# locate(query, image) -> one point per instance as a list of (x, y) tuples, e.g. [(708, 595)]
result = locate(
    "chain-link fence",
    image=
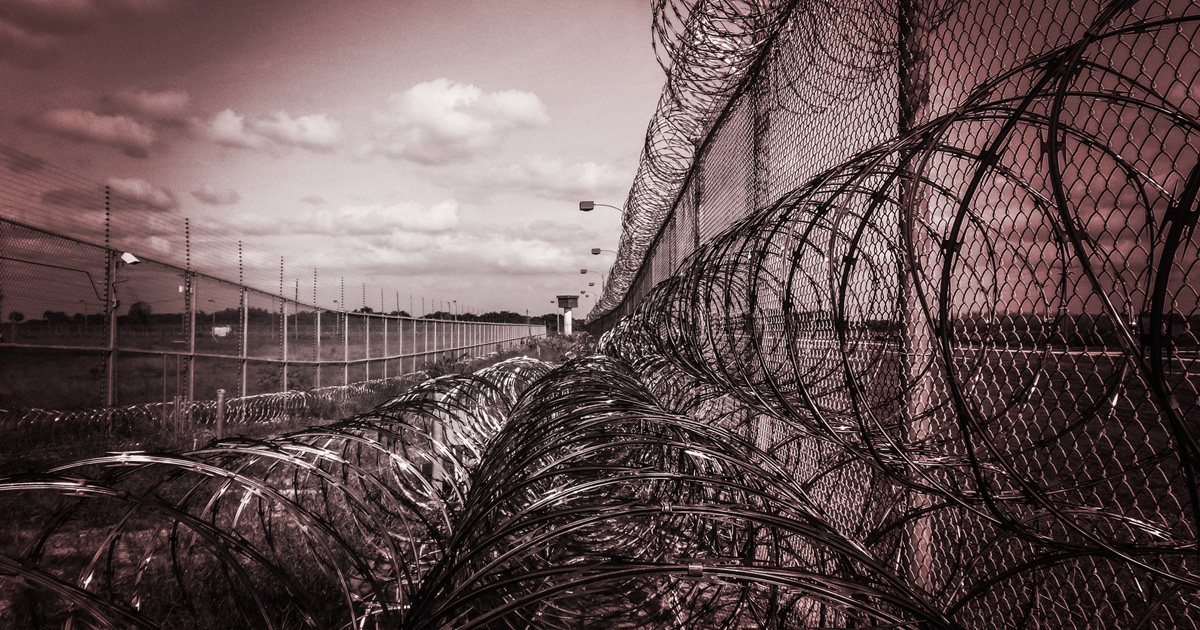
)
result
[(84, 323), (943, 256)]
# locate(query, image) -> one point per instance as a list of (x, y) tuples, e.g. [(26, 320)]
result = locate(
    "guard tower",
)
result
[(566, 303)]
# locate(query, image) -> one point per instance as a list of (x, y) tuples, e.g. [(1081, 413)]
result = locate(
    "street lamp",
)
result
[(596, 251), (585, 271), (588, 206)]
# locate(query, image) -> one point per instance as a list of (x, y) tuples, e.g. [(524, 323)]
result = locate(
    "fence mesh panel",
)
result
[(943, 259)]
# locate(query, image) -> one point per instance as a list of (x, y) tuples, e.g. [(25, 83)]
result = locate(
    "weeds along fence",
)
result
[(84, 326)]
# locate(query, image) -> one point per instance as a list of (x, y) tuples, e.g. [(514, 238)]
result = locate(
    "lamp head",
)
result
[(595, 251), (587, 206), (583, 271)]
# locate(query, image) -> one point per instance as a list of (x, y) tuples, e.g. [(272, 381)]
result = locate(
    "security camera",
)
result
[(129, 259)]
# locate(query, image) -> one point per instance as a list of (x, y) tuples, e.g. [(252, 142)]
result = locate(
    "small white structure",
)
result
[(566, 303)]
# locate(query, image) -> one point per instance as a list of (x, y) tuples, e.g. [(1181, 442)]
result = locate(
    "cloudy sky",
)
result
[(435, 148)]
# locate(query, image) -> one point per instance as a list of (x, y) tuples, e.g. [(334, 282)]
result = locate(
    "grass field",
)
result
[(31, 446)]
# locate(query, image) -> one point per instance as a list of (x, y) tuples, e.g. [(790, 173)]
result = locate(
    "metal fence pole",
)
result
[(283, 384), (317, 349), (190, 279), (110, 369), (912, 97), (220, 413), (245, 341), (345, 317)]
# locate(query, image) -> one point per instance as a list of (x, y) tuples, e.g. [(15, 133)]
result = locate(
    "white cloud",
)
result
[(228, 128), (164, 105), (375, 220), (121, 132), (442, 121), (454, 254), (552, 179), (214, 196), (316, 132), (570, 233), (144, 192)]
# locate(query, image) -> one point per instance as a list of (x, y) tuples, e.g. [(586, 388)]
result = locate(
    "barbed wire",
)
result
[(33, 425), (326, 527), (919, 312), (707, 48), (947, 383)]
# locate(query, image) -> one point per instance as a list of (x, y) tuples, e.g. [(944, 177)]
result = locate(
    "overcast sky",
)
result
[(432, 147)]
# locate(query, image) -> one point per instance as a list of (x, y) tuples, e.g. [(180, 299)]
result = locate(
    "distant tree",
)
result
[(139, 313), (254, 314), (400, 314), (14, 318), (365, 309), (549, 320)]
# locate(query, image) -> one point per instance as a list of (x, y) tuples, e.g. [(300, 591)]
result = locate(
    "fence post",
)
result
[(220, 413), (345, 347), (164, 388), (367, 344), (283, 385), (917, 348), (177, 413), (317, 349), (110, 369), (245, 341), (190, 284)]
